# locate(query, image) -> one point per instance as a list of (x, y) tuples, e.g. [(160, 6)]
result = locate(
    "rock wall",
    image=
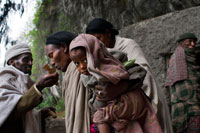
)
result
[(75, 14), (157, 37)]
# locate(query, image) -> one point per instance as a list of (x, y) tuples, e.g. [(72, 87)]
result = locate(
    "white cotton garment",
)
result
[(13, 85)]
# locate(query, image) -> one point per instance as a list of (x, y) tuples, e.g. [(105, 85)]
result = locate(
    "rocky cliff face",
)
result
[(157, 37), (122, 12), (75, 14)]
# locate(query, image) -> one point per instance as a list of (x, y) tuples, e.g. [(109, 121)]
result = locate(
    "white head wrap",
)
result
[(16, 50)]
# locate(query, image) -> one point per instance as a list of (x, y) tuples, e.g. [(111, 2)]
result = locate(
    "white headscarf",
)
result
[(16, 50)]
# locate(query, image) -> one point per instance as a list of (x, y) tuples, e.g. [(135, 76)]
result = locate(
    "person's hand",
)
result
[(48, 111), (110, 91), (47, 81)]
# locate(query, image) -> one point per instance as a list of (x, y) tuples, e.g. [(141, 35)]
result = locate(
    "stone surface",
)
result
[(75, 14), (122, 12), (157, 37)]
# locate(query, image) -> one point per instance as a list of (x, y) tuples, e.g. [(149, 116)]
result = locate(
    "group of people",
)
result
[(108, 85)]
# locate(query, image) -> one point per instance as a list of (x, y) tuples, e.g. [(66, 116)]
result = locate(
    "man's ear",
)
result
[(66, 50), (64, 47)]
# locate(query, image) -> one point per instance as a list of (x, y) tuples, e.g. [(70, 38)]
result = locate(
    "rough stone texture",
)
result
[(121, 12), (157, 37)]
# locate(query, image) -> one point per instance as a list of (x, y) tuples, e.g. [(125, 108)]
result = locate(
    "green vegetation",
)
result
[(48, 19), (37, 37), (51, 101)]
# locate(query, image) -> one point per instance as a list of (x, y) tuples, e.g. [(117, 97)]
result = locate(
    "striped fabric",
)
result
[(177, 70)]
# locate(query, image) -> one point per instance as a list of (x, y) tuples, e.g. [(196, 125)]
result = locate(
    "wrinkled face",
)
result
[(23, 62), (59, 56), (106, 38), (78, 56), (188, 43)]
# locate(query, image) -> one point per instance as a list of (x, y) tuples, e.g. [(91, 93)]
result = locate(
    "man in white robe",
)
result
[(19, 94)]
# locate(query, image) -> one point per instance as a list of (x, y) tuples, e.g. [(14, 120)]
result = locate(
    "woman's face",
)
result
[(59, 56)]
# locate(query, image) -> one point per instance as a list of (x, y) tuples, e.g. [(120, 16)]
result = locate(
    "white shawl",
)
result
[(13, 85), (77, 117)]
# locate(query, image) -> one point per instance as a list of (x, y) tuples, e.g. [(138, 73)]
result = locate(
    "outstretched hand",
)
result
[(47, 81)]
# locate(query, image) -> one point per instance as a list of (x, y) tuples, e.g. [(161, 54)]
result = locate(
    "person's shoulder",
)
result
[(126, 41), (7, 72)]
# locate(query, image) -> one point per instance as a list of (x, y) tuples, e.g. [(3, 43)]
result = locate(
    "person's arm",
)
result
[(28, 101), (33, 96), (135, 81)]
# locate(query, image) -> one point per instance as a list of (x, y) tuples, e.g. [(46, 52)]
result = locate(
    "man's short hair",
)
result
[(99, 25), (61, 37)]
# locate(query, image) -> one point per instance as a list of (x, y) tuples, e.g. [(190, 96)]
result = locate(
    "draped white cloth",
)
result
[(13, 85), (77, 117)]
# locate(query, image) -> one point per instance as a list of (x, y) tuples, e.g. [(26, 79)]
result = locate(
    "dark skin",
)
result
[(58, 55), (24, 61), (188, 43), (107, 38), (79, 58)]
